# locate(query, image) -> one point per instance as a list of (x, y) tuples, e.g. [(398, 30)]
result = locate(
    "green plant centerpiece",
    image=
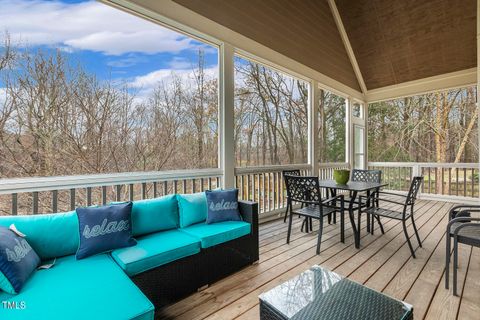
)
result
[(341, 176)]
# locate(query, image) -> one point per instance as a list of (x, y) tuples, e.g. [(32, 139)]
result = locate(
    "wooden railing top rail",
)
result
[(424, 164), (34, 184), (272, 168)]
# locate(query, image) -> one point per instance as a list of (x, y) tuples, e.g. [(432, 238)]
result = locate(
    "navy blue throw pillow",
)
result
[(104, 229), (222, 206), (17, 261)]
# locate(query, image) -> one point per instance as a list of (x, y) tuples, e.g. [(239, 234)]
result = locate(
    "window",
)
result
[(110, 93), (271, 113), (434, 127), (359, 147), (331, 127), (357, 110)]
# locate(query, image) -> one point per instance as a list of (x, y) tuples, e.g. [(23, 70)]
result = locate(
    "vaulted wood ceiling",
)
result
[(394, 41), (303, 30)]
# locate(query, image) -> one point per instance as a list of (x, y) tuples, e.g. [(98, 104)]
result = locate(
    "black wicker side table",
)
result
[(319, 294)]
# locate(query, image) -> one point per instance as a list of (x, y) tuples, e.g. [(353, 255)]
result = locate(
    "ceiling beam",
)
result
[(346, 43), (450, 80)]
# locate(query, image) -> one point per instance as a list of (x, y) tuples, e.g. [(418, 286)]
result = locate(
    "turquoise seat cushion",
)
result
[(91, 288), (153, 215), (154, 250), (192, 208), (50, 235), (216, 233)]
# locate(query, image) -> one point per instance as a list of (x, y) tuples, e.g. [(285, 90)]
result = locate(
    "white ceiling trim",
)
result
[(445, 81), (346, 43)]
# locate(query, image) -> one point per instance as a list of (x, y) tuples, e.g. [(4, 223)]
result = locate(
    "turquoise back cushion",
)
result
[(50, 235), (153, 215), (192, 208)]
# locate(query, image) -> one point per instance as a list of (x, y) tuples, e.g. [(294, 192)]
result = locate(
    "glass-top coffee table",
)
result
[(319, 294)]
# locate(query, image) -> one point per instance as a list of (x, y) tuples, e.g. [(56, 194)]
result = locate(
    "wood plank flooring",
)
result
[(383, 263)]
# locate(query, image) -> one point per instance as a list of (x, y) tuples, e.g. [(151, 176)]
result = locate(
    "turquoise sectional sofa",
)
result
[(168, 263)]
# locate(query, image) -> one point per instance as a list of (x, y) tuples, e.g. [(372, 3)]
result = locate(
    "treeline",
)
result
[(57, 119), (434, 127)]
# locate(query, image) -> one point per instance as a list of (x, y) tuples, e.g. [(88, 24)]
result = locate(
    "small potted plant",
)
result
[(341, 176)]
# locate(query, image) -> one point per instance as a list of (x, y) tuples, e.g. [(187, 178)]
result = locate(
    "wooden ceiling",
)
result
[(395, 41), (303, 30)]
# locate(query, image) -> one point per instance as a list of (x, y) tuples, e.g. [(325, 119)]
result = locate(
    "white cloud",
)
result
[(145, 84), (87, 26)]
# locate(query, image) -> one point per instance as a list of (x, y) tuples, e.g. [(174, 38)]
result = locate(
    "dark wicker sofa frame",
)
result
[(173, 281)]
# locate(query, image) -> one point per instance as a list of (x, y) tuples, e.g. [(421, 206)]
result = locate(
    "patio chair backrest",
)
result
[(303, 189), (414, 188), (292, 172), (367, 175)]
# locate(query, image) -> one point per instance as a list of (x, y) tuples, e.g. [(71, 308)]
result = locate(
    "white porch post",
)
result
[(314, 95), (478, 74), (227, 116), (349, 133)]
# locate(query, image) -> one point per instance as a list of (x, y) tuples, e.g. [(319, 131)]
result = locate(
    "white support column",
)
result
[(227, 116), (478, 74), (349, 133), (313, 101)]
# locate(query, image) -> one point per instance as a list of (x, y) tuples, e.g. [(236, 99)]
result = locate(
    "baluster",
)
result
[(165, 188), (89, 196), (248, 187), (280, 177), (194, 189), (130, 192), (464, 182), (254, 186), (35, 202), (274, 190), (268, 191), (449, 181), (202, 184), (155, 189), (210, 183), (144, 190), (14, 204), (242, 185), (263, 192), (218, 182), (72, 199), (54, 201), (175, 185), (118, 193), (429, 180), (473, 182), (456, 181), (184, 186), (104, 195)]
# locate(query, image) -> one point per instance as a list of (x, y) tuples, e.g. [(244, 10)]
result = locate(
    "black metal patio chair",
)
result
[(306, 190), (368, 176), (403, 216), (463, 228), (293, 172)]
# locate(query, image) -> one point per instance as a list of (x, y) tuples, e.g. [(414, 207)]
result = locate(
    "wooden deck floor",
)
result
[(383, 263)]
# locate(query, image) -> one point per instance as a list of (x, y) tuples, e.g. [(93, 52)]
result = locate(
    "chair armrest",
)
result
[(340, 197), (463, 207), (380, 199), (248, 211), (391, 194), (460, 219)]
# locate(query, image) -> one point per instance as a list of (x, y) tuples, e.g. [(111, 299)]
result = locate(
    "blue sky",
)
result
[(106, 41)]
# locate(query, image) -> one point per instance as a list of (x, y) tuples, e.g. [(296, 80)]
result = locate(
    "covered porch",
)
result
[(357, 64)]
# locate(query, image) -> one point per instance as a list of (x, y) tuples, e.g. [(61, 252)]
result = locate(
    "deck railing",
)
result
[(265, 184), (448, 180), (57, 194)]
